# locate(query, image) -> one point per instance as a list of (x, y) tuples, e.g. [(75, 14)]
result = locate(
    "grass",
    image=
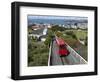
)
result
[(81, 34)]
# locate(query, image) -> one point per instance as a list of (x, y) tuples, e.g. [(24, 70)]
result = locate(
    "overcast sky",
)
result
[(56, 17)]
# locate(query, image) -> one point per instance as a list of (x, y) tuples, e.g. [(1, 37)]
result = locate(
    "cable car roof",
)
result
[(60, 41)]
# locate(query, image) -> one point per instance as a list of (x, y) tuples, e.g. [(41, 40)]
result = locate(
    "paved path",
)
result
[(55, 58)]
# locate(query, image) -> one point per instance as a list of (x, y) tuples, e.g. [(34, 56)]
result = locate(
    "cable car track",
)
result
[(64, 61), (58, 58)]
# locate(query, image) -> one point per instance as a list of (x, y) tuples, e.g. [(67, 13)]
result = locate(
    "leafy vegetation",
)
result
[(57, 28), (86, 41), (69, 38), (29, 30), (37, 53), (49, 37)]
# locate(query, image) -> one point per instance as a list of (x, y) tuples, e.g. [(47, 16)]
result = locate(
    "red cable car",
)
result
[(62, 47)]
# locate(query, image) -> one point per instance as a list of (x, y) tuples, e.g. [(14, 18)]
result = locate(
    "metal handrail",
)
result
[(75, 53), (50, 50)]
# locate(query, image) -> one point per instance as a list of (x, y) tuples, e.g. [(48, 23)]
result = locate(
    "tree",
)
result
[(30, 30), (71, 33), (48, 40), (49, 37), (58, 34), (57, 28), (86, 41)]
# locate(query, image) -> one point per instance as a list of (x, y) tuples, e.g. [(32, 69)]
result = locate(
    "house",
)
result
[(45, 31), (39, 33), (42, 38)]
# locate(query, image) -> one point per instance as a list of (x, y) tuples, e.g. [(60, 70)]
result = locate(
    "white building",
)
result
[(39, 33)]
